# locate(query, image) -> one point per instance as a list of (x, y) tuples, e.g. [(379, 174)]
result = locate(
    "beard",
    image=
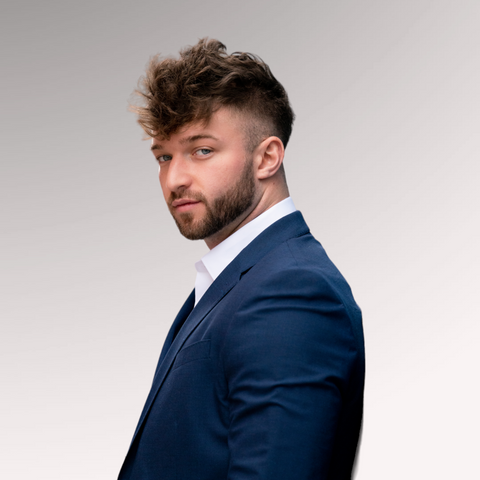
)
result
[(222, 211)]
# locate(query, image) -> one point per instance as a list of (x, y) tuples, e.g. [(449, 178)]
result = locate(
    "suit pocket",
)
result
[(196, 351)]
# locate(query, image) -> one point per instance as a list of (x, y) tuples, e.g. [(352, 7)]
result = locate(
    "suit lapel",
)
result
[(177, 325), (287, 227)]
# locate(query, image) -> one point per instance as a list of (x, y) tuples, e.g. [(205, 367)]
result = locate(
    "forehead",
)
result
[(224, 125)]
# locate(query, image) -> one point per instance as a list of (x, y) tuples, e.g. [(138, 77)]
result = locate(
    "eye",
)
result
[(203, 152), (163, 158)]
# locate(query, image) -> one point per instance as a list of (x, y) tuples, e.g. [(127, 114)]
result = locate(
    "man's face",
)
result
[(207, 177)]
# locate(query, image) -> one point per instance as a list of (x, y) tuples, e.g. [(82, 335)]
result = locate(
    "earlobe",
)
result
[(270, 155)]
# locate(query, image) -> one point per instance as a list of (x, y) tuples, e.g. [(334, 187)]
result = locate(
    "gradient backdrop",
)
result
[(383, 163)]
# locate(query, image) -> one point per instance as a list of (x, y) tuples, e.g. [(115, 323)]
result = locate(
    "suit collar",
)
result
[(222, 255), (290, 226)]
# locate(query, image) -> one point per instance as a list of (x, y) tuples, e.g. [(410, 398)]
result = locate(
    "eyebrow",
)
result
[(191, 139), (194, 138)]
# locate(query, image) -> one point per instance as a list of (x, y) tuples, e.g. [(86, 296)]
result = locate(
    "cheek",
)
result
[(215, 186), (222, 178)]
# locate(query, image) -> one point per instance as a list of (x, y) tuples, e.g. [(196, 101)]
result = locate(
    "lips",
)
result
[(183, 201), (183, 205)]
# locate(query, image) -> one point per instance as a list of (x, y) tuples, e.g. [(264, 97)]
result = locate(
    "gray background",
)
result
[(383, 163)]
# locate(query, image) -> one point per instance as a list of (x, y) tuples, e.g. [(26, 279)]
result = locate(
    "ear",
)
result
[(269, 157)]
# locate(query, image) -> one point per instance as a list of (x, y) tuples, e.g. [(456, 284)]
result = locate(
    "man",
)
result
[(261, 375)]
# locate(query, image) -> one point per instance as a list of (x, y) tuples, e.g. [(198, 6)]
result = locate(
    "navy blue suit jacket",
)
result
[(263, 379)]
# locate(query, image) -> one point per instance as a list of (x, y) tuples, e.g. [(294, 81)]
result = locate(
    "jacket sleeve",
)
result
[(288, 361)]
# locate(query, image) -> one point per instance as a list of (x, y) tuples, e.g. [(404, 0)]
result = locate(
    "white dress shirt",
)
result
[(214, 262)]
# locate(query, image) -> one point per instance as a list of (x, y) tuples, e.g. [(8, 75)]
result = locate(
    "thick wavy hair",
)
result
[(177, 92)]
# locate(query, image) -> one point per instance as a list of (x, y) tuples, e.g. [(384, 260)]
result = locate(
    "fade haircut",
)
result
[(190, 89)]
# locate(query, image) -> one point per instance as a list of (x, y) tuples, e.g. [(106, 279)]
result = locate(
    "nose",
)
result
[(176, 176)]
